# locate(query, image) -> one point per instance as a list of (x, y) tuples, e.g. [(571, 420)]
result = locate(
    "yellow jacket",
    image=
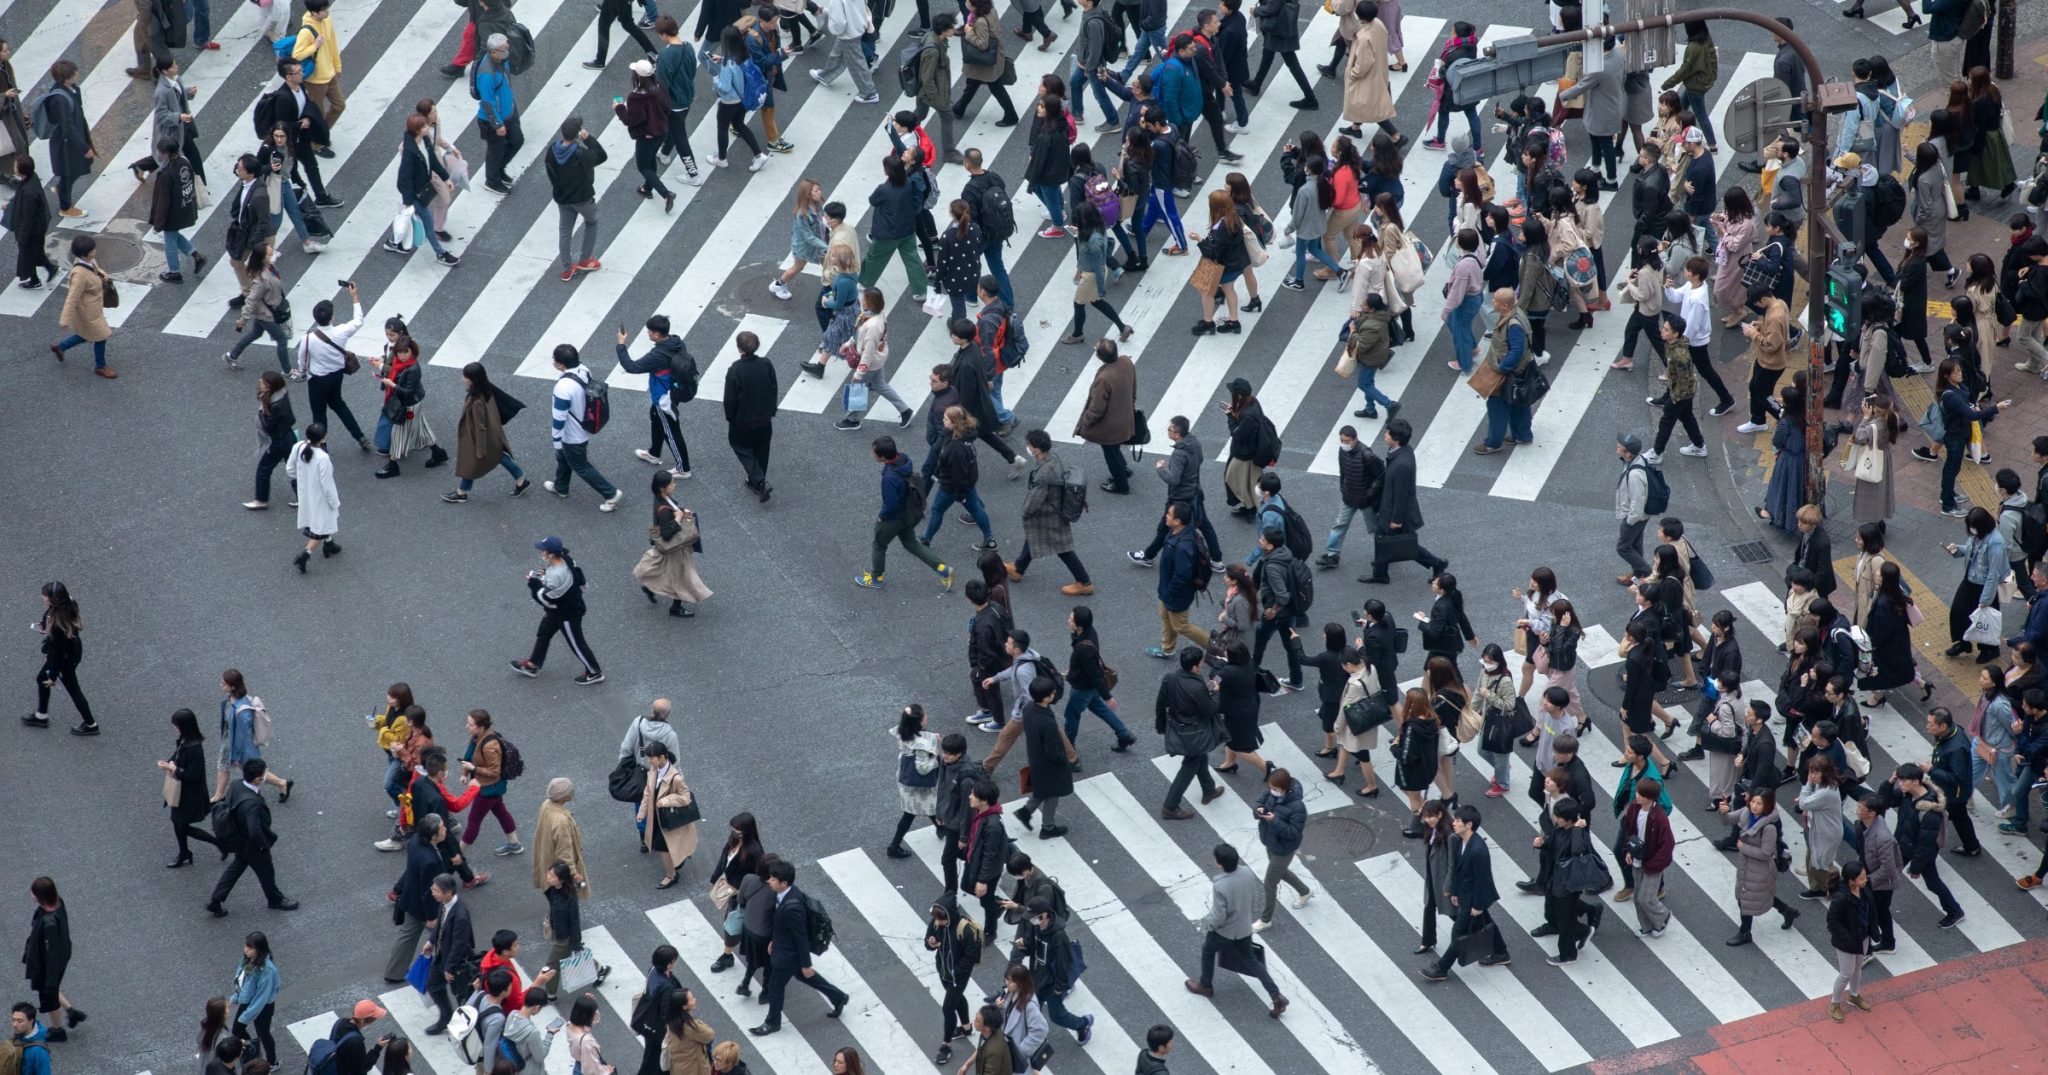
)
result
[(321, 43), (392, 730)]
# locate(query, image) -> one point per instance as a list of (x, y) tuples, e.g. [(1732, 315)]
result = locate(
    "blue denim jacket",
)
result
[(1984, 563), (238, 727), (255, 989)]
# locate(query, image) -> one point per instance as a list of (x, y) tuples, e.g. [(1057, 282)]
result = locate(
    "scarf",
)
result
[(974, 826), (398, 366)]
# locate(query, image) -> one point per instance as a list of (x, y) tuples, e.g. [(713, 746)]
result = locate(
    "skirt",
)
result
[(1993, 166), (1085, 289), (837, 331), (410, 436)]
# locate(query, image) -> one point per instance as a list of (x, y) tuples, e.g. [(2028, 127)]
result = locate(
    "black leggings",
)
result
[(1646, 326), (645, 152), (1777, 905), (903, 825), (995, 90), (1293, 63), (1081, 315), (953, 1008), (604, 33), (732, 119), (1537, 335), (69, 677), (188, 830), (261, 1028)]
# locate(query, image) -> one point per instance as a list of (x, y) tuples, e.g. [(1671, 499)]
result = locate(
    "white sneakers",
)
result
[(612, 502), (646, 456), (779, 290), (758, 163), (1697, 451), (1751, 427), (1261, 925)]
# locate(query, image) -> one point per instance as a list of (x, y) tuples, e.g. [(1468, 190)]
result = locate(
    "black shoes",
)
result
[(388, 470), (184, 859), (435, 456), (285, 905), (722, 963), (86, 727), (217, 911)]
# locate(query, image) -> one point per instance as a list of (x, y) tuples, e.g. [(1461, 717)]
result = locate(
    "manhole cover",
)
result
[(116, 253), (1346, 839), (1753, 552)]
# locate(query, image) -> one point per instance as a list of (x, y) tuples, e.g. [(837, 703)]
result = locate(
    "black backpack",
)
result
[(1302, 580), (510, 765), (1112, 38), (1073, 492), (227, 825), (908, 61), (820, 937), (915, 503), (1887, 202), (1269, 443), (1205, 570), (682, 379), (1187, 162), (998, 220), (1296, 528)]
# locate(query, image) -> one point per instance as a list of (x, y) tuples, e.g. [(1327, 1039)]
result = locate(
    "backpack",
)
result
[(1657, 498), (1302, 580), (909, 65), (259, 721), (682, 379), (915, 502), (1269, 443), (1102, 195), (324, 1057), (519, 40), (510, 765), (39, 116), (1887, 202), (1895, 364), (1010, 342), (597, 408), (1187, 162), (1073, 492), (821, 925), (2034, 529), (992, 209), (466, 1030), (1934, 423), (1556, 139), (1296, 528), (753, 86), (283, 47), (1205, 570), (1112, 38)]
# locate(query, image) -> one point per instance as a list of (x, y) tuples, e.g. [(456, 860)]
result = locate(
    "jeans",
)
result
[(1951, 465), (380, 439), (942, 499), (1698, 103), (566, 228), (1307, 246), (2023, 795), (1276, 872), (1053, 197), (323, 391), (1464, 343), (1055, 1006), (1443, 124), (289, 208), (1503, 417), (1373, 396), (175, 244), (1342, 526), (1079, 699), (201, 14), (505, 460), (995, 397), (992, 260), (1193, 767), (258, 327), (1147, 41), (1502, 765), (575, 458), (1078, 80), (1264, 633), (1936, 887), (500, 150), (99, 348)]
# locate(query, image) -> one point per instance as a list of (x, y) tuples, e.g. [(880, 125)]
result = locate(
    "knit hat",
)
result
[(560, 790)]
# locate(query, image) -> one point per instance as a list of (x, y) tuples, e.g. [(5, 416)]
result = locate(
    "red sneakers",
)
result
[(589, 265)]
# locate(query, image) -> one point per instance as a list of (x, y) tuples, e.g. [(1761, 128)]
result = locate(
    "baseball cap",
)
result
[(551, 544), (1693, 136), (642, 68), (1849, 162), (1630, 443), (1039, 905), (368, 1009)]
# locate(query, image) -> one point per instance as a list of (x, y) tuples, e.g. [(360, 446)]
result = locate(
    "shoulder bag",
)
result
[(349, 362)]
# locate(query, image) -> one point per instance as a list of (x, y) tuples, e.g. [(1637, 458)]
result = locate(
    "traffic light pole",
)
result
[(1817, 256)]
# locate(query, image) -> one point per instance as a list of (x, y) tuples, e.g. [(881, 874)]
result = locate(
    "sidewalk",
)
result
[(1988, 1012)]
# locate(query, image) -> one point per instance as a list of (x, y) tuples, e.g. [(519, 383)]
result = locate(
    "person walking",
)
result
[(1045, 516), (676, 67), (292, 105), (848, 22), (255, 996), (571, 162), (917, 772), (645, 112), (1180, 569), (62, 649), (789, 952), (452, 948), (620, 12), (1472, 896), (653, 726), (185, 787), (672, 380), (558, 589), (238, 736), (481, 445), (28, 218), (1850, 929), (85, 306), (956, 475), (762, 36), (319, 41), (497, 110), (276, 433), (728, 81), (413, 909), (61, 111), (1759, 845), (572, 429), (751, 397), (249, 840), (489, 763), (668, 568), (1090, 681), (1228, 931), (46, 956), (1984, 569), (1109, 418), (263, 309), (1646, 844), (1400, 517), (324, 360), (669, 812), (420, 168), (401, 422), (955, 941), (311, 472), (1185, 712), (1046, 747), (1281, 817), (1181, 470), (897, 520), (173, 207), (739, 862)]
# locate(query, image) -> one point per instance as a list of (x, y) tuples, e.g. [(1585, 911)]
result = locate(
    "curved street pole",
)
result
[(1817, 255)]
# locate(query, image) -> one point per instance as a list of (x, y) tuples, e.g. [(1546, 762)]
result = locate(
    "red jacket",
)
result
[(493, 960), (1657, 840)]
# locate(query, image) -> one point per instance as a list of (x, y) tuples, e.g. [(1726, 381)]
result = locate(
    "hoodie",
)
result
[(531, 1041), (895, 487), (1460, 158), (572, 169), (666, 356), (957, 947)]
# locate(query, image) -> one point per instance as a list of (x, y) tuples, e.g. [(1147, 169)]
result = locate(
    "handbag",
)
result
[(1585, 872), (1024, 780), (1986, 627), (1486, 379), (675, 817), (1268, 682), (1913, 614), (109, 298), (854, 396), (1207, 276), (1522, 641), (1404, 264), (1367, 713), (401, 229), (172, 790), (1477, 944), (1253, 249), (417, 975), (1948, 198), (723, 895), (578, 971), (1141, 430)]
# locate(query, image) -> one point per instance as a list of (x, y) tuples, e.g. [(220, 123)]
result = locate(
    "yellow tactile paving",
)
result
[(1930, 639)]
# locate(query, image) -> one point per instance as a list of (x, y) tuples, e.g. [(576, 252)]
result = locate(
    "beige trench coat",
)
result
[(85, 310), (557, 838), (1367, 98), (668, 790), (668, 569)]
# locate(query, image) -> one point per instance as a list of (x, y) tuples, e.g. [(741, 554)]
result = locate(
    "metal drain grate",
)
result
[(1345, 839), (1753, 552)]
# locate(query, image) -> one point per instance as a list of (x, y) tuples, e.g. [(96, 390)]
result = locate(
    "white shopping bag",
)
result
[(579, 971), (1986, 627), (458, 170), (401, 229)]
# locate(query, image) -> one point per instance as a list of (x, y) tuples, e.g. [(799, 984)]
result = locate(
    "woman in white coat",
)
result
[(312, 474)]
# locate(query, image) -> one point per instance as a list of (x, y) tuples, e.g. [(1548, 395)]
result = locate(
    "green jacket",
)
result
[(1697, 69), (935, 75), (1678, 365)]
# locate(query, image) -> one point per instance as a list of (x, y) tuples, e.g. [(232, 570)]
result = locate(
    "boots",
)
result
[(435, 456), (388, 470), (1413, 830)]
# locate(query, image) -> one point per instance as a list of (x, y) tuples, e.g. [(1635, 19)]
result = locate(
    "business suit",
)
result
[(1400, 513), (789, 955), (1472, 891), (251, 851), (454, 960), (415, 906), (248, 206)]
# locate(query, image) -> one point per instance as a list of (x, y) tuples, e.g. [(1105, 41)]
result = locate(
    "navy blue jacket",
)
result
[(2036, 629), (1177, 570), (1952, 764), (895, 486), (1282, 835), (790, 935), (1472, 877)]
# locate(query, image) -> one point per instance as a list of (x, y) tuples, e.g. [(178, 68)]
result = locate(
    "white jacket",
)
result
[(319, 501), (847, 20)]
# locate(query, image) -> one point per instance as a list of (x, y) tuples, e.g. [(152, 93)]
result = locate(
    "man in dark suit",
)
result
[(789, 951), (251, 841), (1400, 512), (1579, 787), (751, 397), (292, 106), (1472, 896), (453, 948), (248, 209), (415, 906)]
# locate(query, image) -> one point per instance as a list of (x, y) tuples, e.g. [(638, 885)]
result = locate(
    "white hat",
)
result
[(643, 68)]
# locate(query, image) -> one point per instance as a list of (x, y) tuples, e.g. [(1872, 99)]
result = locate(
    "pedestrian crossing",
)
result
[(706, 264), (1138, 888)]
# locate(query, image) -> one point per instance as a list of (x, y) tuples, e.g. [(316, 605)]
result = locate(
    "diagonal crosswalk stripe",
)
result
[(683, 924)]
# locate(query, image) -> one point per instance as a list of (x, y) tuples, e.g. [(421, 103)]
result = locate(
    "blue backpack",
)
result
[(324, 1058), (283, 47), (754, 88), (1077, 962)]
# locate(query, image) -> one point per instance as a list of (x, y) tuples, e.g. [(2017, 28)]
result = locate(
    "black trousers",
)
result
[(187, 830), (750, 444), (949, 859), (1203, 528), (995, 90), (323, 390), (1192, 767), (570, 626), (29, 256), (1959, 814), (778, 988), (258, 1027), (69, 677), (664, 430), (1678, 412), (1464, 922), (1761, 382), (625, 20), (1248, 963), (1070, 558), (1212, 111), (1640, 325), (1293, 63), (953, 1007), (500, 150), (1881, 918), (1119, 467), (267, 463), (309, 162), (1703, 364), (255, 861)]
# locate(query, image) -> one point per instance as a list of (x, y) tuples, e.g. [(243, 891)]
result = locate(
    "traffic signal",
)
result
[(1845, 296), (1516, 64)]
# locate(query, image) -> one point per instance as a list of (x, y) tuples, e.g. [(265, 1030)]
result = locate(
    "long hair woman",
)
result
[(739, 859), (1225, 246), (480, 442), (808, 234), (319, 501), (255, 995), (185, 788), (1093, 248), (955, 477), (60, 625), (668, 568), (275, 431)]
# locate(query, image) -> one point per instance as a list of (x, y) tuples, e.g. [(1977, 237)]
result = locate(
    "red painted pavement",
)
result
[(1984, 1014)]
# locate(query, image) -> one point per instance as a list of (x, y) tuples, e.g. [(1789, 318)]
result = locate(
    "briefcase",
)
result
[(1396, 547), (1477, 945)]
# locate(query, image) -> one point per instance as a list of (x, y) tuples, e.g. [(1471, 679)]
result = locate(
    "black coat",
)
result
[(1045, 750), (188, 763), (417, 169), (1415, 753), (956, 471), (1472, 877), (1639, 681), (454, 943), (1848, 922), (252, 817), (1397, 492), (280, 106), (28, 213), (970, 379), (1912, 288), (1233, 49), (751, 394), (1051, 160), (1815, 551), (1891, 647), (1246, 431), (988, 853), (47, 952), (1186, 714), (415, 885), (985, 634), (1084, 663), (1279, 24), (1237, 698), (248, 218)]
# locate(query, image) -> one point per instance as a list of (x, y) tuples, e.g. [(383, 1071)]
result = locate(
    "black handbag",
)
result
[(1367, 713), (675, 817), (1527, 386), (628, 781), (1521, 722), (1395, 547), (1400, 640), (1141, 432), (1495, 735), (1584, 873), (1268, 682), (1477, 945)]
